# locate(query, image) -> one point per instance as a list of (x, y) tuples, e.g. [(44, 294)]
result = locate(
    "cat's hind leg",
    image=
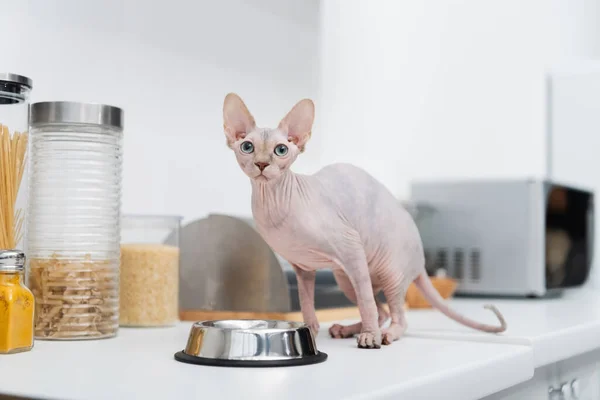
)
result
[(383, 313), (350, 257), (398, 325), (394, 289), (338, 331)]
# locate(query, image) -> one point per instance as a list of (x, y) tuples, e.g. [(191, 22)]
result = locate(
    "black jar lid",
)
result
[(7, 77), (13, 88)]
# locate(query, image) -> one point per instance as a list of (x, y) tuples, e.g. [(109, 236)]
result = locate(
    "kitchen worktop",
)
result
[(139, 364), (436, 356), (555, 328)]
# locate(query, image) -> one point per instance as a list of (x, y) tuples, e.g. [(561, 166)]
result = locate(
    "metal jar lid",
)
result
[(12, 261), (67, 112), (14, 78)]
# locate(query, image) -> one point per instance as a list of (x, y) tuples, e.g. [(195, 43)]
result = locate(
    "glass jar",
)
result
[(16, 304), (149, 270), (14, 124), (74, 219)]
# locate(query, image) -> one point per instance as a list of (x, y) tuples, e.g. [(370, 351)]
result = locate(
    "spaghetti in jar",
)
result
[(14, 121)]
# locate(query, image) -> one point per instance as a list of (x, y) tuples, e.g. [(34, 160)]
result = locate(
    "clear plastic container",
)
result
[(149, 270), (14, 126), (74, 216)]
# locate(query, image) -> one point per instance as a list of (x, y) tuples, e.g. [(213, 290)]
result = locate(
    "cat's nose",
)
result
[(262, 165)]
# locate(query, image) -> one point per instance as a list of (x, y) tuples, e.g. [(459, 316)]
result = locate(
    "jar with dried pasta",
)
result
[(73, 219), (149, 270)]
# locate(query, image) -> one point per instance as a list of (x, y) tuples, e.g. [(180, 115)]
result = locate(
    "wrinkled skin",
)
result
[(339, 218)]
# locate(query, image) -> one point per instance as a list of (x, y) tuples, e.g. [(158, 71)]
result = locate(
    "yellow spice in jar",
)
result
[(149, 285), (16, 314)]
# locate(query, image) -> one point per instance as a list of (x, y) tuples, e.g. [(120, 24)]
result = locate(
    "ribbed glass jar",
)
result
[(74, 219)]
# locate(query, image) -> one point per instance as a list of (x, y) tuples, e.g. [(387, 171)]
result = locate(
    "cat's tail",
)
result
[(435, 299)]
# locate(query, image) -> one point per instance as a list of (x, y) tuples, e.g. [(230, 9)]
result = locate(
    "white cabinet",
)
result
[(577, 378), (580, 376), (534, 389)]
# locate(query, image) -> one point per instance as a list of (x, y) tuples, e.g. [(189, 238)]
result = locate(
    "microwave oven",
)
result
[(516, 237)]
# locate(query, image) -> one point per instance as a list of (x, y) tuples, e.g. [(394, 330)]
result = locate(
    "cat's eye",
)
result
[(281, 150), (247, 147)]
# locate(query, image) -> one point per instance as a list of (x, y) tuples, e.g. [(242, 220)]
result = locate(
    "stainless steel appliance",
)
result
[(508, 237), (226, 266)]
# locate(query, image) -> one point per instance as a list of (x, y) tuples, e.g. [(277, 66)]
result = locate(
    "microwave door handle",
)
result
[(591, 232)]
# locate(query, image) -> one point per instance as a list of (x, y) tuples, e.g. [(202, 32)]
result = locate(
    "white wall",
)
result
[(575, 123), (411, 89), (434, 88), (169, 65)]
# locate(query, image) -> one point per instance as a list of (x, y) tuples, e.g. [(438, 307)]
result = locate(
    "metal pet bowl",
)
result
[(250, 343)]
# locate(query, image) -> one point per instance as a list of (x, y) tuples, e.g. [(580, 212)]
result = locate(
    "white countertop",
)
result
[(437, 355), (139, 363), (556, 329)]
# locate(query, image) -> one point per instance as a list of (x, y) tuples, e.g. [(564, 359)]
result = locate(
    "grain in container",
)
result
[(149, 270), (14, 125), (74, 219)]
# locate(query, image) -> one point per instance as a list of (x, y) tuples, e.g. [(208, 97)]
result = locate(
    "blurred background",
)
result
[(410, 90), (482, 115)]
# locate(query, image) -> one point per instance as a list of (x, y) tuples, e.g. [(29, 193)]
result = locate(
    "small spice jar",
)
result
[(16, 304), (149, 277)]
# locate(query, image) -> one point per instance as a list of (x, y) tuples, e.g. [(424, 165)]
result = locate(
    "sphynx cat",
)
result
[(339, 218)]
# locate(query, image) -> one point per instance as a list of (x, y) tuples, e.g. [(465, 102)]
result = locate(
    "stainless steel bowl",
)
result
[(250, 343)]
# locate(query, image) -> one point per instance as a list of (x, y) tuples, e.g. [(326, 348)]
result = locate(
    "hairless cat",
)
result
[(339, 218)]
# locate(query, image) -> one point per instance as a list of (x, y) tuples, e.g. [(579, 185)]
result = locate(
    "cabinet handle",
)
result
[(575, 389), (554, 393), (564, 391)]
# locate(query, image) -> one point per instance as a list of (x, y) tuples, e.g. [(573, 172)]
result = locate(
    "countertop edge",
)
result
[(520, 368)]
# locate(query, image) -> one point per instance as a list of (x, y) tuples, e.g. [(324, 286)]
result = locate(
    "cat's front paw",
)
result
[(369, 340), (338, 331), (314, 327)]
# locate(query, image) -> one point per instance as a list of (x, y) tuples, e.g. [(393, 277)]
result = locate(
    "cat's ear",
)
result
[(297, 124), (237, 120)]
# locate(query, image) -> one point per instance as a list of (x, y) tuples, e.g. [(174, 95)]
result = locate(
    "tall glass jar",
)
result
[(149, 270), (74, 219), (14, 124)]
